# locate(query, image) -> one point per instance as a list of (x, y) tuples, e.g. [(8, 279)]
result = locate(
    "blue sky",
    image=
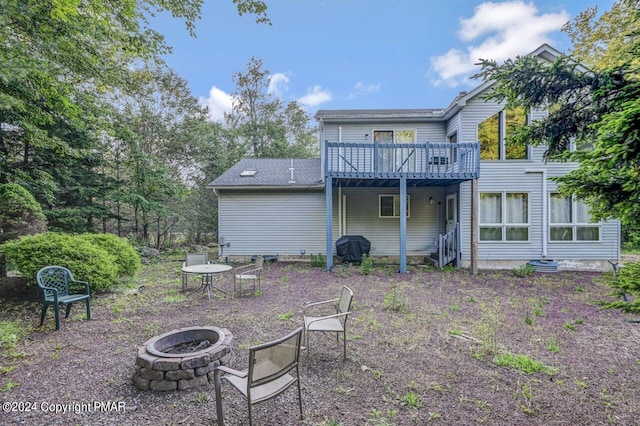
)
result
[(361, 54)]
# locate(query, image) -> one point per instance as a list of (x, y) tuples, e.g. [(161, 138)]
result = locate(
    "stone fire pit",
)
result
[(182, 359)]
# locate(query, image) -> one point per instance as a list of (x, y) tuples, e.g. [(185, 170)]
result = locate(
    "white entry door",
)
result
[(451, 211)]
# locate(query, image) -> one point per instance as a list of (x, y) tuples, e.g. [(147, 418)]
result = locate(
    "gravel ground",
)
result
[(423, 348)]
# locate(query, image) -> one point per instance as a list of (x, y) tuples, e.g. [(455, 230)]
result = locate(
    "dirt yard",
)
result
[(426, 347)]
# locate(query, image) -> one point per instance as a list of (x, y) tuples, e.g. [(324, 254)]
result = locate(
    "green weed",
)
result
[(552, 345), (10, 384), (412, 400), (522, 363), (525, 270), (366, 265), (395, 301), (318, 260), (286, 316)]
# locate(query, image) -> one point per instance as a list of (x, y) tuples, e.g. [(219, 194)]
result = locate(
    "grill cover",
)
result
[(350, 248)]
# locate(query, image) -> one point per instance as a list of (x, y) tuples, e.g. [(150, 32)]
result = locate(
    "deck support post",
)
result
[(328, 192), (475, 203), (403, 225)]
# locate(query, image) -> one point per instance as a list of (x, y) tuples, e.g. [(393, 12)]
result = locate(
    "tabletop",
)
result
[(208, 268)]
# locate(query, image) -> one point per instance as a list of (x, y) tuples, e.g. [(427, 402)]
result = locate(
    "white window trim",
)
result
[(573, 225), (394, 203), (504, 225)]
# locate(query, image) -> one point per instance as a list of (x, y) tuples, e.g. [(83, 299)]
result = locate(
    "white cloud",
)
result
[(497, 30), (315, 96), (278, 84), (218, 102), (363, 89)]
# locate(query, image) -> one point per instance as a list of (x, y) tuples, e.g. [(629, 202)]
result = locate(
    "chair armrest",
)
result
[(324, 302), (86, 285), (343, 314), (232, 371), (247, 271), (53, 290), (241, 268), (184, 264)]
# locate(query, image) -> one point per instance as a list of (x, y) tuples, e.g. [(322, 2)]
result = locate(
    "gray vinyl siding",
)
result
[(423, 225), (272, 222), (425, 132), (512, 176), (452, 127)]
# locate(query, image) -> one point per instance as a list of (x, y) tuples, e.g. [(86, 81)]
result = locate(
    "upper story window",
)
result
[(394, 136), (399, 158), (390, 206), (569, 220), (504, 216), (493, 132)]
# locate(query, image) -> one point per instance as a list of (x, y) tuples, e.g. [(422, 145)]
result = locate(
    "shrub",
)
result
[(318, 260), (87, 261), (366, 266), (127, 258), (20, 213), (525, 270)]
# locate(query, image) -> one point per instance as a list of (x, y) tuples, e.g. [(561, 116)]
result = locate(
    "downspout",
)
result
[(545, 213)]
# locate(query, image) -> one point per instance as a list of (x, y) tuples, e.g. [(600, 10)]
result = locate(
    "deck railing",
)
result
[(449, 247), (415, 161)]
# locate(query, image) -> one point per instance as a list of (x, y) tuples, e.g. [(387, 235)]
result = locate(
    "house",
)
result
[(419, 184)]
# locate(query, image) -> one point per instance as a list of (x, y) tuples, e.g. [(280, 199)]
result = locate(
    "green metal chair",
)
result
[(273, 368), (54, 282)]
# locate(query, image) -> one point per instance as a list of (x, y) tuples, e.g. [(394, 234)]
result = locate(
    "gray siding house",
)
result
[(419, 184)]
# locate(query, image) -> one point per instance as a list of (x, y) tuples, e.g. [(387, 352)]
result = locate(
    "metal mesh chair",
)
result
[(273, 368), (335, 323), (249, 272), (193, 259), (54, 282)]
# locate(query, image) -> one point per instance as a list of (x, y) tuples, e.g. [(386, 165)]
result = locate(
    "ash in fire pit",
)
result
[(185, 348), (182, 359)]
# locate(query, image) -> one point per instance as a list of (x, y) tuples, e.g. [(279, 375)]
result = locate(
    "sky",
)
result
[(362, 54)]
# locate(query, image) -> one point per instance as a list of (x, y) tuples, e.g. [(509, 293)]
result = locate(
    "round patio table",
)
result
[(207, 269)]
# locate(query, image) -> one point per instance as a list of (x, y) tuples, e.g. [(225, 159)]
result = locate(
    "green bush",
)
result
[(318, 260), (20, 213), (127, 258), (525, 270), (366, 266), (87, 261)]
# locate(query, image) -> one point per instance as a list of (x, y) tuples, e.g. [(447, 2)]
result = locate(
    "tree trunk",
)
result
[(3, 266)]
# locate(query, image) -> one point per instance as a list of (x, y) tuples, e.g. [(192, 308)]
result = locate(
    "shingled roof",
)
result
[(270, 172)]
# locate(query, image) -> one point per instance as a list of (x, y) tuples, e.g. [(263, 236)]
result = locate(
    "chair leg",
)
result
[(344, 339), (249, 409), (44, 312), (217, 385), (66, 315), (88, 309), (299, 392), (57, 312)]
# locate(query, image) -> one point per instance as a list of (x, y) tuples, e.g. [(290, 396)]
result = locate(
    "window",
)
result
[(494, 144), (504, 216), (570, 220), (395, 159), (390, 206)]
